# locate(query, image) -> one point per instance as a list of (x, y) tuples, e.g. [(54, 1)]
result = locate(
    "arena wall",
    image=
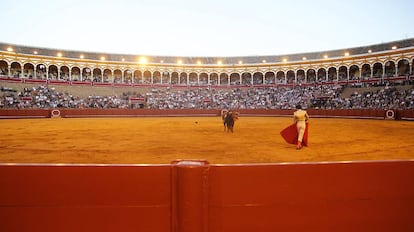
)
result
[(84, 198), (196, 196), (73, 113)]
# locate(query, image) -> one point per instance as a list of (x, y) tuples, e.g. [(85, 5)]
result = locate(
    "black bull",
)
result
[(228, 121)]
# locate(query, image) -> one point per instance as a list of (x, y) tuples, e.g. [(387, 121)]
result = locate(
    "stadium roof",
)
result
[(234, 60)]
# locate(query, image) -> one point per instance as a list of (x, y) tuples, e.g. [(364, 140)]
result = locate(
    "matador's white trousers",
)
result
[(301, 126)]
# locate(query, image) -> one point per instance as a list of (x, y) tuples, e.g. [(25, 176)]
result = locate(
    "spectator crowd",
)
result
[(318, 96)]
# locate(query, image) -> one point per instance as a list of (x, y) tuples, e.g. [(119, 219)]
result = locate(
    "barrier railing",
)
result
[(198, 196), (71, 113)]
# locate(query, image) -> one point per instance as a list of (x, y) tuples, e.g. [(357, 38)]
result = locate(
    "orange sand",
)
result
[(161, 140)]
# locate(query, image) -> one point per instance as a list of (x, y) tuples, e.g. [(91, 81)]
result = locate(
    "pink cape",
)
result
[(290, 134)]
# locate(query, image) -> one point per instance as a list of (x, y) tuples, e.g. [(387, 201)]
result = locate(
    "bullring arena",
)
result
[(160, 140), (108, 144)]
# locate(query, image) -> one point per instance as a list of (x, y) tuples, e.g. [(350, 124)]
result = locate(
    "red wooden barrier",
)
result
[(405, 114), (375, 196), (356, 113), (84, 198), (196, 196), (135, 112), (24, 113), (190, 196)]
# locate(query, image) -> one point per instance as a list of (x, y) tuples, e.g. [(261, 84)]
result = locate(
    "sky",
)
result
[(209, 28)]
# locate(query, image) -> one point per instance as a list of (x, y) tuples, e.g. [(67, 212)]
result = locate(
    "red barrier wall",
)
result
[(24, 113), (68, 113), (85, 198), (196, 196), (405, 114), (376, 196), (136, 112)]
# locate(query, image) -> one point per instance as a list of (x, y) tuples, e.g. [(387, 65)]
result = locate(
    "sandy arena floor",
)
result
[(164, 139)]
